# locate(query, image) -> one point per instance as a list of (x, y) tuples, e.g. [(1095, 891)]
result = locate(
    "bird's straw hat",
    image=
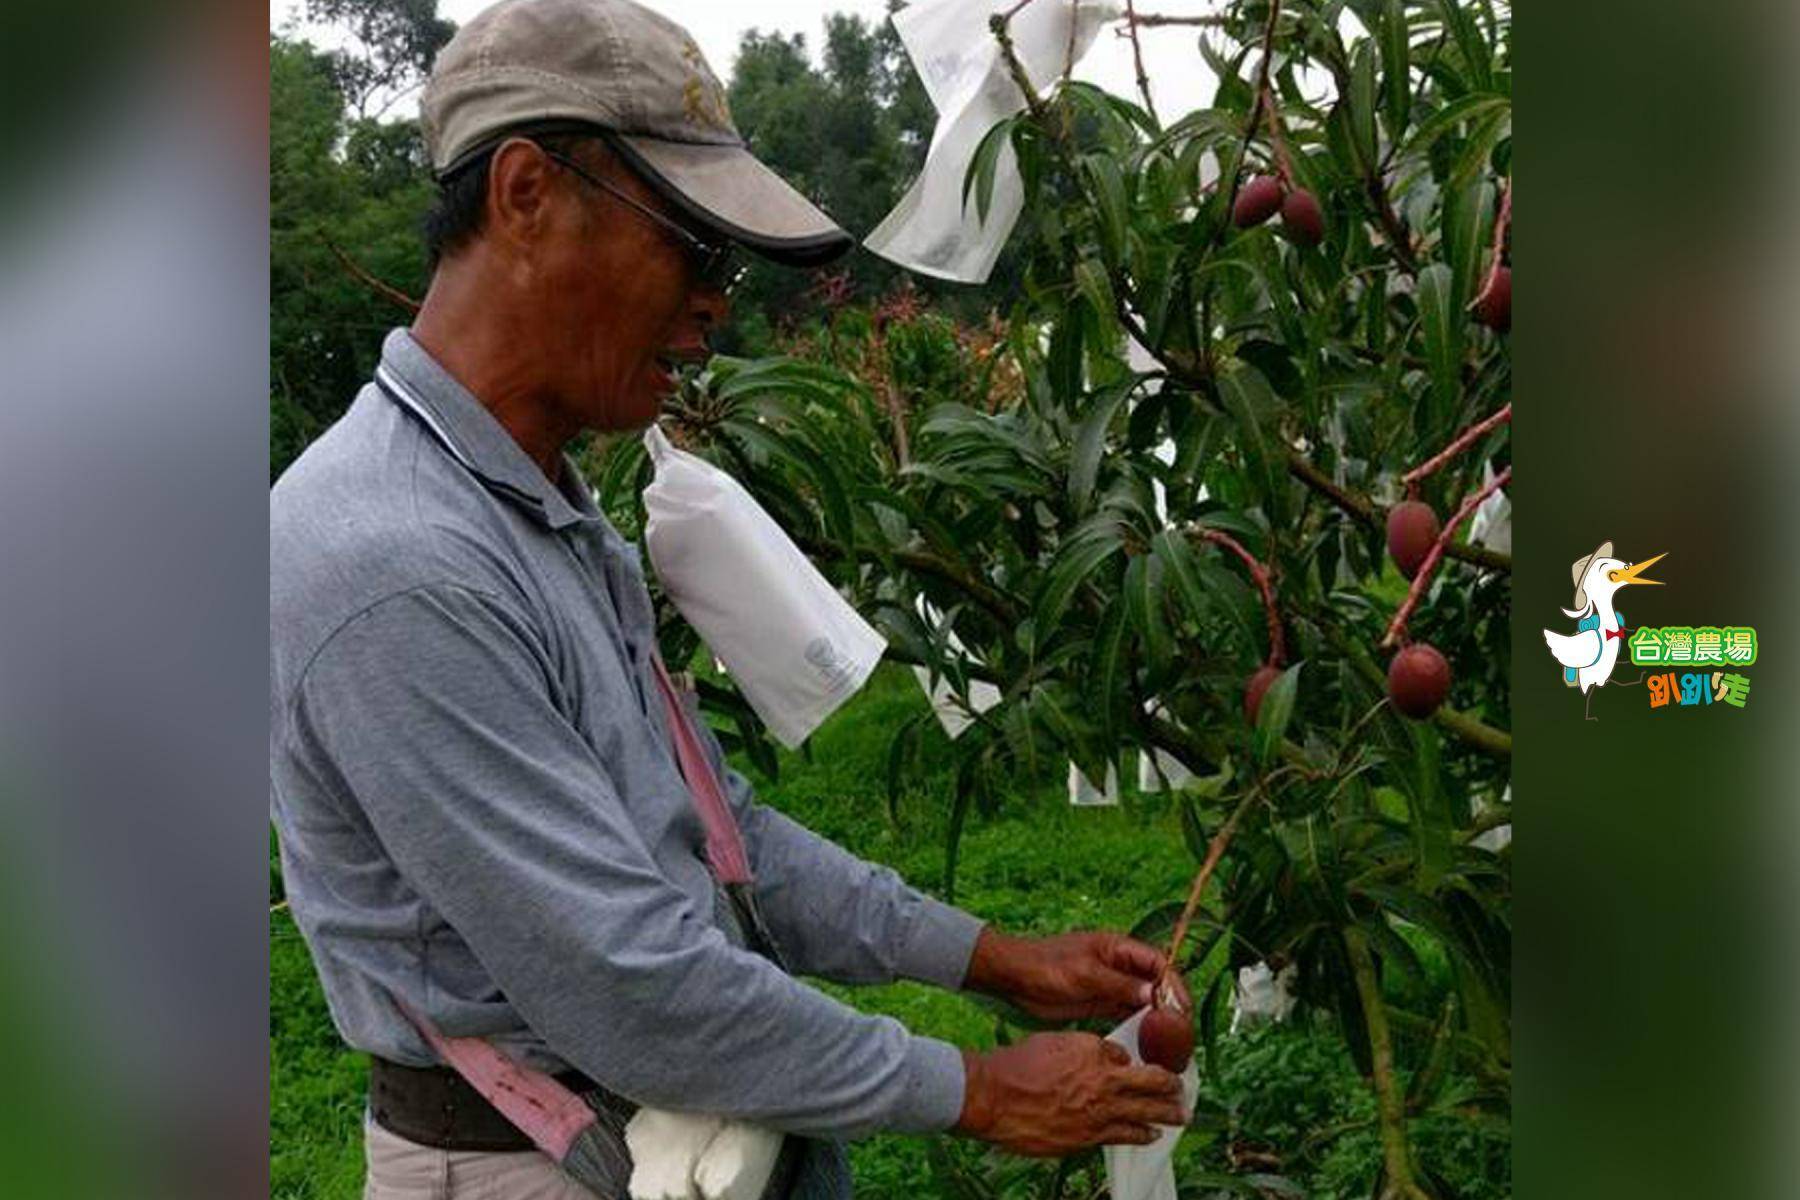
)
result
[(1580, 569)]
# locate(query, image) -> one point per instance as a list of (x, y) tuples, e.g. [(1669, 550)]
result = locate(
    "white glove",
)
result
[(683, 1156), (738, 1163), (665, 1147)]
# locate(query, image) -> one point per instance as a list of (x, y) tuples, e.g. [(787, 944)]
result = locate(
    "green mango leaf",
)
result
[(1063, 363), (1253, 405), (1430, 813), (1072, 568), (1145, 582), (1212, 1005), (1396, 81), (1171, 549), (1276, 711), (901, 751), (1090, 442), (1095, 286), (959, 812), (1276, 362), (1442, 326), (903, 627), (984, 165), (1468, 227), (1347, 1002), (1364, 138), (1473, 158), (1107, 668), (1428, 1081), (1471, 44), (754, 741), (1110, 202), (1454, 114), (827, 485), (1193, 834)]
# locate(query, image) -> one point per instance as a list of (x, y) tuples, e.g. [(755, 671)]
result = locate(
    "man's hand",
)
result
[(1072, 976), (1055, 1093)]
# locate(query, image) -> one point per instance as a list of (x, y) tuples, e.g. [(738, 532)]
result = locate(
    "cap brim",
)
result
[(725, 188)]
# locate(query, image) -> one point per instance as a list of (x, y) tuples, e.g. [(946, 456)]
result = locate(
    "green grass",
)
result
[(1035, 865)]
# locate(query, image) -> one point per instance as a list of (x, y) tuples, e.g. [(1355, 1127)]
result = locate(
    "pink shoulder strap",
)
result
[(542, 1109), (724, 841)]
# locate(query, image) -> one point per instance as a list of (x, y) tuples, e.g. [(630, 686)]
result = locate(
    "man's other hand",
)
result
[(1071, 976), (1055, 1093)]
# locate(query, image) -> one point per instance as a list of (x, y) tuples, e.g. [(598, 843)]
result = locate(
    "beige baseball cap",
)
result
[(640, 78)]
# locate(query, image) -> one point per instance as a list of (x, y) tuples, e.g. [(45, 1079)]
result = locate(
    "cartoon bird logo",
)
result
[(1588, 657)]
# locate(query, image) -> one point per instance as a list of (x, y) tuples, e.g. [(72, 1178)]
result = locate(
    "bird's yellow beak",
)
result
[(1630, 574)]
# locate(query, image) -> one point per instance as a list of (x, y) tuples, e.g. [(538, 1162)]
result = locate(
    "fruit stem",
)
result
[(1215, 850), (1259, 573), (1497, 254), (1461, 442), (1397, 627), (1284, 166), (1262, 88)]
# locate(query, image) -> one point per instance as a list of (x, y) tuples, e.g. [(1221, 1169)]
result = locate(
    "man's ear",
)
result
[(520, 187)]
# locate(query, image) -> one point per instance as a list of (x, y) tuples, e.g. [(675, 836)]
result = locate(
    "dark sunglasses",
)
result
[(715, 263)]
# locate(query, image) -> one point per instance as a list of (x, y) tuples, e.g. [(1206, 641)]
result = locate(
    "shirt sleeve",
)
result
[(837, 916), (437, 713)]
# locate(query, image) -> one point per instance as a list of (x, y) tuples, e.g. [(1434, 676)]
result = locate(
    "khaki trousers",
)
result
[(403, 1170)]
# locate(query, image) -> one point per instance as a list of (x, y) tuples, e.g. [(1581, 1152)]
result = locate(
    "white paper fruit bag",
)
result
[(932, 230), (792, 645), (1147, 1172)]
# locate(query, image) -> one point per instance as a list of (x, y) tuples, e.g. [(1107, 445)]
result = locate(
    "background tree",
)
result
[(393, 44), (345, 199), (851, 133)]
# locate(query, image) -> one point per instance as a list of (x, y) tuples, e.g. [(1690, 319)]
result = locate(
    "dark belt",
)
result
[(434, 1106)]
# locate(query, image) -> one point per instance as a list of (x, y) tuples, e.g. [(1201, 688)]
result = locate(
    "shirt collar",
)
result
[(472, 436)]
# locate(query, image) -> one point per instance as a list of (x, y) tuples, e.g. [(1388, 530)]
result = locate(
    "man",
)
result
[(481, 820)]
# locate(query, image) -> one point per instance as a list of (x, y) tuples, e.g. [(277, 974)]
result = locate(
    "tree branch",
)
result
[(1465, 728), (1416, 592), (1461, 725), (1158, 20), (1497, 254), (368, 279), (1391, 225), (1215, 850), (1366, 511), (1390, 1103), (995, 603), (1137, 55), (1258, 573), (1461, 442)]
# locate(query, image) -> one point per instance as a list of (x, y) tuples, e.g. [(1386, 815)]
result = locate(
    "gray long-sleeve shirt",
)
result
[(479, 812)]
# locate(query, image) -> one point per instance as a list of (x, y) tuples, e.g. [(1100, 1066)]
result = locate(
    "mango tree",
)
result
[(1208, 490)]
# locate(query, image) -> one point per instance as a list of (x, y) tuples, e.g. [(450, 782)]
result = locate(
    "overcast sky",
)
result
[(1179, 78)]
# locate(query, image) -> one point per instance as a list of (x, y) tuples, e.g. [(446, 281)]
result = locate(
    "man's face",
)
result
[(618, 299)]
